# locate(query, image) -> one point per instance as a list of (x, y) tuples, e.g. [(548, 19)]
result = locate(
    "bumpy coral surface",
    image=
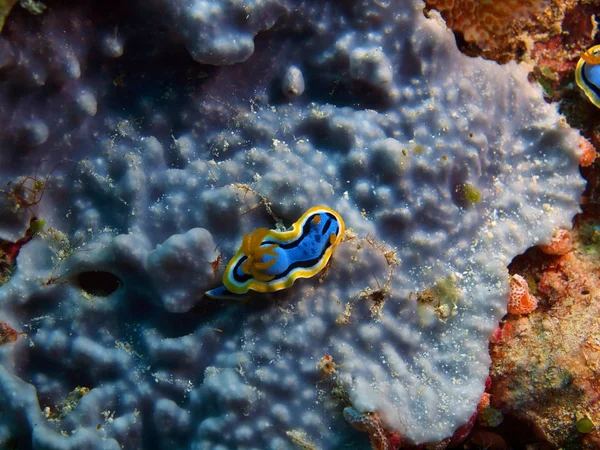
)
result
[(219, 32), (149, 166)]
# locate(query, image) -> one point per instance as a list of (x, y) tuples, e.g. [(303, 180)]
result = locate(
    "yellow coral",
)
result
[(254, 265)]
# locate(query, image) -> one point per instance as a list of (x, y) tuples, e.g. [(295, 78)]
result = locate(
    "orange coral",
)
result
[(327, 365), (561, 243), (520, 300), (484, 402), (588, 152), (255, 265)]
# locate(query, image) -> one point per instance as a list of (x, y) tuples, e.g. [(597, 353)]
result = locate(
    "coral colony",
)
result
[(138, 161)]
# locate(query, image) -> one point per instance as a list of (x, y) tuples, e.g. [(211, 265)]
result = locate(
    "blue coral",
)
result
[(177, 127)]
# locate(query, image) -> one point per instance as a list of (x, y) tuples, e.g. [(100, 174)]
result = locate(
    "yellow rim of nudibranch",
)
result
[(284, 237), (591, 56)]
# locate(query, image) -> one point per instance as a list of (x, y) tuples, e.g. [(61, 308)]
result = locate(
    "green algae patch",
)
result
[(546, 77), (442, 297), (491, 417), (36, 226), (34, 7), (5, 8), (67, 405), (585, 425), (300, 440), (6, 267), (590, 238), (469, 195)]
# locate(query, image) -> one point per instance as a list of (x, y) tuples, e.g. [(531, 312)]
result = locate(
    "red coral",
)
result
[(370, 423), (462, 432), (7, 333)]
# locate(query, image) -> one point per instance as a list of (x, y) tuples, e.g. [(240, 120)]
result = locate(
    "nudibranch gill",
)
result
[(271, 260), (587, 74)]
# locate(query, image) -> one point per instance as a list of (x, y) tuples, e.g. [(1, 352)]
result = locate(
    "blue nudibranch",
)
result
[(270, 260), (587, 74)]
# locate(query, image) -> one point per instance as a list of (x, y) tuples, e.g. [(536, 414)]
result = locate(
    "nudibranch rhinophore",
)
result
[(587, 74), (271, 260)]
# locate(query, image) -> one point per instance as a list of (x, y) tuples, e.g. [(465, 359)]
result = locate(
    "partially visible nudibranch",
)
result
[(271, 260), (587, 74)]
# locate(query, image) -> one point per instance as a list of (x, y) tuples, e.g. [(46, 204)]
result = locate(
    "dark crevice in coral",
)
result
[(326, 135), (592, 188), (136, 79), (466, 47), (98, 283), (149, 433), (35, 361), (532, 257), (37, 305), (226, 312), (22, 442), (520, 431), (342, 91)]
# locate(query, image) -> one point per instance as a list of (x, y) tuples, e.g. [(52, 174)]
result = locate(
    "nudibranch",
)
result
[(271, 260), (587, 74)]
